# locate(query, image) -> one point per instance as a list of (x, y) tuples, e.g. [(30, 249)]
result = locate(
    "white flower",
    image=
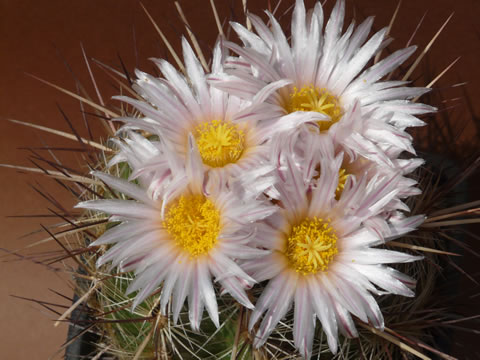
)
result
[(230, 141), (318, 78), (302, 145), (146, 159), (181, 238), (322, 257)]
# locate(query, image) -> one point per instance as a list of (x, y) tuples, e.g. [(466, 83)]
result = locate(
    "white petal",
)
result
[(304, 321), (194, 166), (127, 208), (345, 321), (181, 290), (277, 310), (376, 256), (380, 276), (208, 295), (125, 187), (196, 76), (323, 307), (195, 302), (170, 282)]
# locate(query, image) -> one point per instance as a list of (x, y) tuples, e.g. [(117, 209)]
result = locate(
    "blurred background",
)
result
[(44, 38)]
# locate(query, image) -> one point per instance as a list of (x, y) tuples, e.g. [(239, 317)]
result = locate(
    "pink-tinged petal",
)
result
[(358, 62), (376, 256), (379, 194), (318, 15), (126, 188), (262, 30), (358, 287), (378, 227), (255, 212), (145, 282), (177, 82), (298, 188), (359, 37), (407, 166), (119, 252), (236, 289), (394, 93), (196, 76), (233, 85), (299, 30), (218, 57), (312, 48), (380, 69), (208, 294), (170, 281), (344, 321), (404, 226), (277, 310), (194, 166), (268, 268), (229, 268), (282, 48), (181, 290), (232, 285), (367, 149), (343, 292), (256, 60), (175, 187), (323, 307), (195, 302), (146, 291), (333, 30), (391, 136), (360, 238), (157, 92), (268, 90), (304, 320), (248, 38), (128, 208), (400, 120), (370, 306), (243, 252), (269, 295), (323, 194), (380, 276), (122, 232), (297, 118)]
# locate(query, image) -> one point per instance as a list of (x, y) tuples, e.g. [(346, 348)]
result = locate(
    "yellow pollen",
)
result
[(219, 142), (194, 223), (311, 246), (310, 98), (342, 179)]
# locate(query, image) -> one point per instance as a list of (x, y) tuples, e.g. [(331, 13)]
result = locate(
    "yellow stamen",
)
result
[(310, 98), (342, 179), (194, 223), (311, 246), (219, 142)]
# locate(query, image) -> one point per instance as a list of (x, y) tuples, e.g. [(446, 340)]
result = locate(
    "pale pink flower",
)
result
[(230, 141), (323, 258), (179, 236), (319, 78)]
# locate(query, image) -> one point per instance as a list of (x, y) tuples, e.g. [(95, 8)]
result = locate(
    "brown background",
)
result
[(38, 37)]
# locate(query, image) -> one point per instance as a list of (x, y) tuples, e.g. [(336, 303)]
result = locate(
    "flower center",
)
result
[(194, 223), (311, 246), (310, 98), (342, 179), (219, 142)]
